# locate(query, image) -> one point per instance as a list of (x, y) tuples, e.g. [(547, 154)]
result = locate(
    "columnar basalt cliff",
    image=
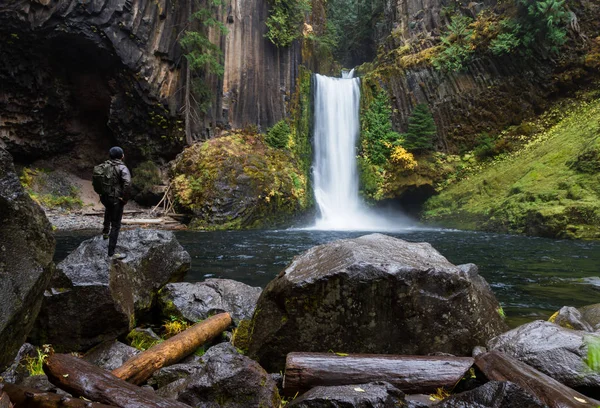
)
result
[(79, 76)]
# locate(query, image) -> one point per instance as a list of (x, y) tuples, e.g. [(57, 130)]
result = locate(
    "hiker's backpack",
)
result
[(104, 178)]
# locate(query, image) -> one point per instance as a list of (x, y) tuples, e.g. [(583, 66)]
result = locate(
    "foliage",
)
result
[(593, 352), (174, 326), (279, 135), (456, 42), (421, 130), (34, 365), (532, 190), (41, 187), (202, 55), (354, 24), (403, 159), (377, 136), (285, 19), (485, 147), (145, 176), (372, 178), (141, 341)]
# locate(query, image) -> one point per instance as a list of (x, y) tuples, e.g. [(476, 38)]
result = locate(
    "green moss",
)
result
[(241, 336), (536, 190), (142, 341)]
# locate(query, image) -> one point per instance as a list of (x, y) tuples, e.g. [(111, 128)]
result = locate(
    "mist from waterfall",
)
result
[(336, 132)]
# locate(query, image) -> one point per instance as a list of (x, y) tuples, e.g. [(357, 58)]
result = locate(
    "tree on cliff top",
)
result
[(285, 19)]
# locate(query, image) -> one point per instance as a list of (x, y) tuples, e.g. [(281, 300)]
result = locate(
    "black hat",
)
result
[(116, 153)]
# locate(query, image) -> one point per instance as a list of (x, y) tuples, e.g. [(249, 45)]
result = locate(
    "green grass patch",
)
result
[(546, 188)]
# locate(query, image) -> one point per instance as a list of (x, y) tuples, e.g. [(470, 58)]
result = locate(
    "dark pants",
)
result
[(113, 212)]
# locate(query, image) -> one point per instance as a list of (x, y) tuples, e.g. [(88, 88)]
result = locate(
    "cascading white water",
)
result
[(336, 131)]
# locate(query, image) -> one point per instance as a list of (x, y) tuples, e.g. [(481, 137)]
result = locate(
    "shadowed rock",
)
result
[(494, 394), (372, 395), (226, 380), (571, 318), (93, 299), (198, 301), (110, 355), (556, 351), (373, 294), (26, 250), (591, 315)]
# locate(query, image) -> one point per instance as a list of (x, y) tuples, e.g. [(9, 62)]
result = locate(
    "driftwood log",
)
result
[(139, 368), (4, 399), (411, 374), (23, 397), (498, 366), (81, 378)]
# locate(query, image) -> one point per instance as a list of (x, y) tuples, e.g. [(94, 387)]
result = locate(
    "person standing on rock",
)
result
[(112, 181)]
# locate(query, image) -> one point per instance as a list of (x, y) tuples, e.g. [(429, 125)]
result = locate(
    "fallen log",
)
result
[(131, 221), (81, 378), (4, 399), (138, 369), (24, 397), (498, 366), (411, 374)]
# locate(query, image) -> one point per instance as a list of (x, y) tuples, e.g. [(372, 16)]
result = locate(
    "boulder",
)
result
[(226, 380), (591, 315), (41, 383), (198, 301), (167, 375), (556, 351), (419, 400), (94, 299), (372, 395), (373, 294), (16, 371), (571, 318), (110, 354), (26, 251), (494, 394)]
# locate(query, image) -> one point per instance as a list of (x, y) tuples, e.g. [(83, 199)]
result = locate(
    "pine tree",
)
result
[(421, 130)]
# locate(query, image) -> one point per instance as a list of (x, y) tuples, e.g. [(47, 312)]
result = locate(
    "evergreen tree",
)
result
[(421, 130)]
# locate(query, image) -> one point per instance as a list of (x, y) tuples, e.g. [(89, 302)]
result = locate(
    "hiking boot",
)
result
[(104, 236), (118, 256)]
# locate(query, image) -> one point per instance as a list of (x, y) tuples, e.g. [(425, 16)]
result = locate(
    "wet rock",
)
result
[(110, 355), (375, 395), (570, 318), (373, 294), (41, 383), (26, 250), (226, 380), (419, 400), (198, 301), (591, 314), (143, 338), (16, 372), (494, 394), (94, 299), (477, 350), (167, 375), (556, 351)]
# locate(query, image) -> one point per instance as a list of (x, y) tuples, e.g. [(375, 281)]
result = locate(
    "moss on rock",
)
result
[(238, 182)]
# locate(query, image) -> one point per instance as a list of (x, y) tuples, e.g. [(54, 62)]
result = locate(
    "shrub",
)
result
[(279, 135), (377, 136), (145, 176), (456, 43), (285, 19)]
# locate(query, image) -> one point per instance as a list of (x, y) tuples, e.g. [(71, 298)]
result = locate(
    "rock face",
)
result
[(571, 318), (373, 294), (493, 394), (227, 380), (372, 395), (591, 315), (198, 301), (26, 250), (94, 299), (559, 352)]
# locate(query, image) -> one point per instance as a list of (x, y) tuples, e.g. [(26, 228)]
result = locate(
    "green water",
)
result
[(531, 277)]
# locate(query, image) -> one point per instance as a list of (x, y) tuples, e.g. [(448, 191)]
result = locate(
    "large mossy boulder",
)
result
[(556, 351), (200, 300), (238, 182), (373, 294), (26, 251), (94, 299)]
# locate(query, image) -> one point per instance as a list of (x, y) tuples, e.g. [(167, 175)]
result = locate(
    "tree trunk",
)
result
[(411, 374), (139, 368), (24, 397), (498, 366), (81, 378)]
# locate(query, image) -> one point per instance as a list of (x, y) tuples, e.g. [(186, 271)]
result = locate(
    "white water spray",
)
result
[(336, 131)]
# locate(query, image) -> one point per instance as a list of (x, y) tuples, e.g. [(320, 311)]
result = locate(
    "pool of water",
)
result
[(531, 277)]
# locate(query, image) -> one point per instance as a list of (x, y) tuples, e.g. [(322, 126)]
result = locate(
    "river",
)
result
[(531, 277)]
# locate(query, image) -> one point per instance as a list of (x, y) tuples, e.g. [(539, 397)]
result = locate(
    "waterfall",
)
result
[(336, 132)]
